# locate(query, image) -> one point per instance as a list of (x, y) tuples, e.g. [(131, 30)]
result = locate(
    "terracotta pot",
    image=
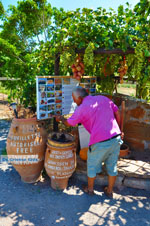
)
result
[(124, 150), (26, 145), (60, 161), (83, 153)]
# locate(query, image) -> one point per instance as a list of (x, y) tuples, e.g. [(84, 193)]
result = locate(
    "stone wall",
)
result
[(136, 122)]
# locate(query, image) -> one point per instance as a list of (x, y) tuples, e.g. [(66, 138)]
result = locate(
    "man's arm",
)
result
[(118, 118), (61, 118), (120, 123)]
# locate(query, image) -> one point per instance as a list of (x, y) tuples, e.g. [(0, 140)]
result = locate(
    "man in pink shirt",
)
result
[(101, 118)]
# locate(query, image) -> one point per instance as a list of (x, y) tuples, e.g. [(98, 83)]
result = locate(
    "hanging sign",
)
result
[(89, 83)]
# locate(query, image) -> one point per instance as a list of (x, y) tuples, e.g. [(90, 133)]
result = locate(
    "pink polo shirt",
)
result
[(96, 114)]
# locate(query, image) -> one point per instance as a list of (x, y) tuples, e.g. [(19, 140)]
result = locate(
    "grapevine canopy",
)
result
[(34, 36)]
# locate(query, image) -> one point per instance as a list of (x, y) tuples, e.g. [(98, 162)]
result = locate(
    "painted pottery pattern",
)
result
[(26, 144), (60, 162)]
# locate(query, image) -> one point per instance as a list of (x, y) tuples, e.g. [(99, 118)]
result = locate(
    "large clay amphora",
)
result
[(26, 146), (60, 160)]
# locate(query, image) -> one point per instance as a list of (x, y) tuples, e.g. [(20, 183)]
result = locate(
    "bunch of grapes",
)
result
[(89, 55), (140, 59), (122, 69), (67, 58), (78, 69)]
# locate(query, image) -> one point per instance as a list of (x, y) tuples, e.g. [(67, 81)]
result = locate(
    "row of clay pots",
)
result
[(26, 146)]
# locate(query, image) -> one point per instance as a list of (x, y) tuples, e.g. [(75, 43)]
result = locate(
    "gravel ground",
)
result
[(38, 204)]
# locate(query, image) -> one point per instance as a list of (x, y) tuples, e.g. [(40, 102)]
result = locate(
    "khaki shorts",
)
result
[(107, 152)]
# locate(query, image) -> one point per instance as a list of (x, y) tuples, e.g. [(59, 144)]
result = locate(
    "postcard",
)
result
[(50, 94), (43, 108), (58, 106), (58, 112), (87, 86), (58, 87), (50, 80), (51, 114), (58, 100), (42, 88), (42, 81), (51, 107), (58, 93), (43, 101), (92, 90), (58, 81), (93, 86), (50, 101), (50, 87), (66, 81), (93, 80), (43, 94), (43, 115)]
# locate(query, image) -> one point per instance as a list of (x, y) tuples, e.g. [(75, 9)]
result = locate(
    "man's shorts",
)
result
[(107, 152)]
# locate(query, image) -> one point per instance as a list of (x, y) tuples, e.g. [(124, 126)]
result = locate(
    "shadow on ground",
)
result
[(38, 204)]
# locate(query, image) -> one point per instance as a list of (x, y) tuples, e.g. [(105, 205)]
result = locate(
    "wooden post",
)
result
[(56, 70), (106, 51)]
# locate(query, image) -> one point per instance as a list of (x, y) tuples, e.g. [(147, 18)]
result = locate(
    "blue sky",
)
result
[(73, 4)]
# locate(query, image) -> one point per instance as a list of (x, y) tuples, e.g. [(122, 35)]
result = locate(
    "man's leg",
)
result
[(91, 183), (111, 183), (90, 187), (111, 164)]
